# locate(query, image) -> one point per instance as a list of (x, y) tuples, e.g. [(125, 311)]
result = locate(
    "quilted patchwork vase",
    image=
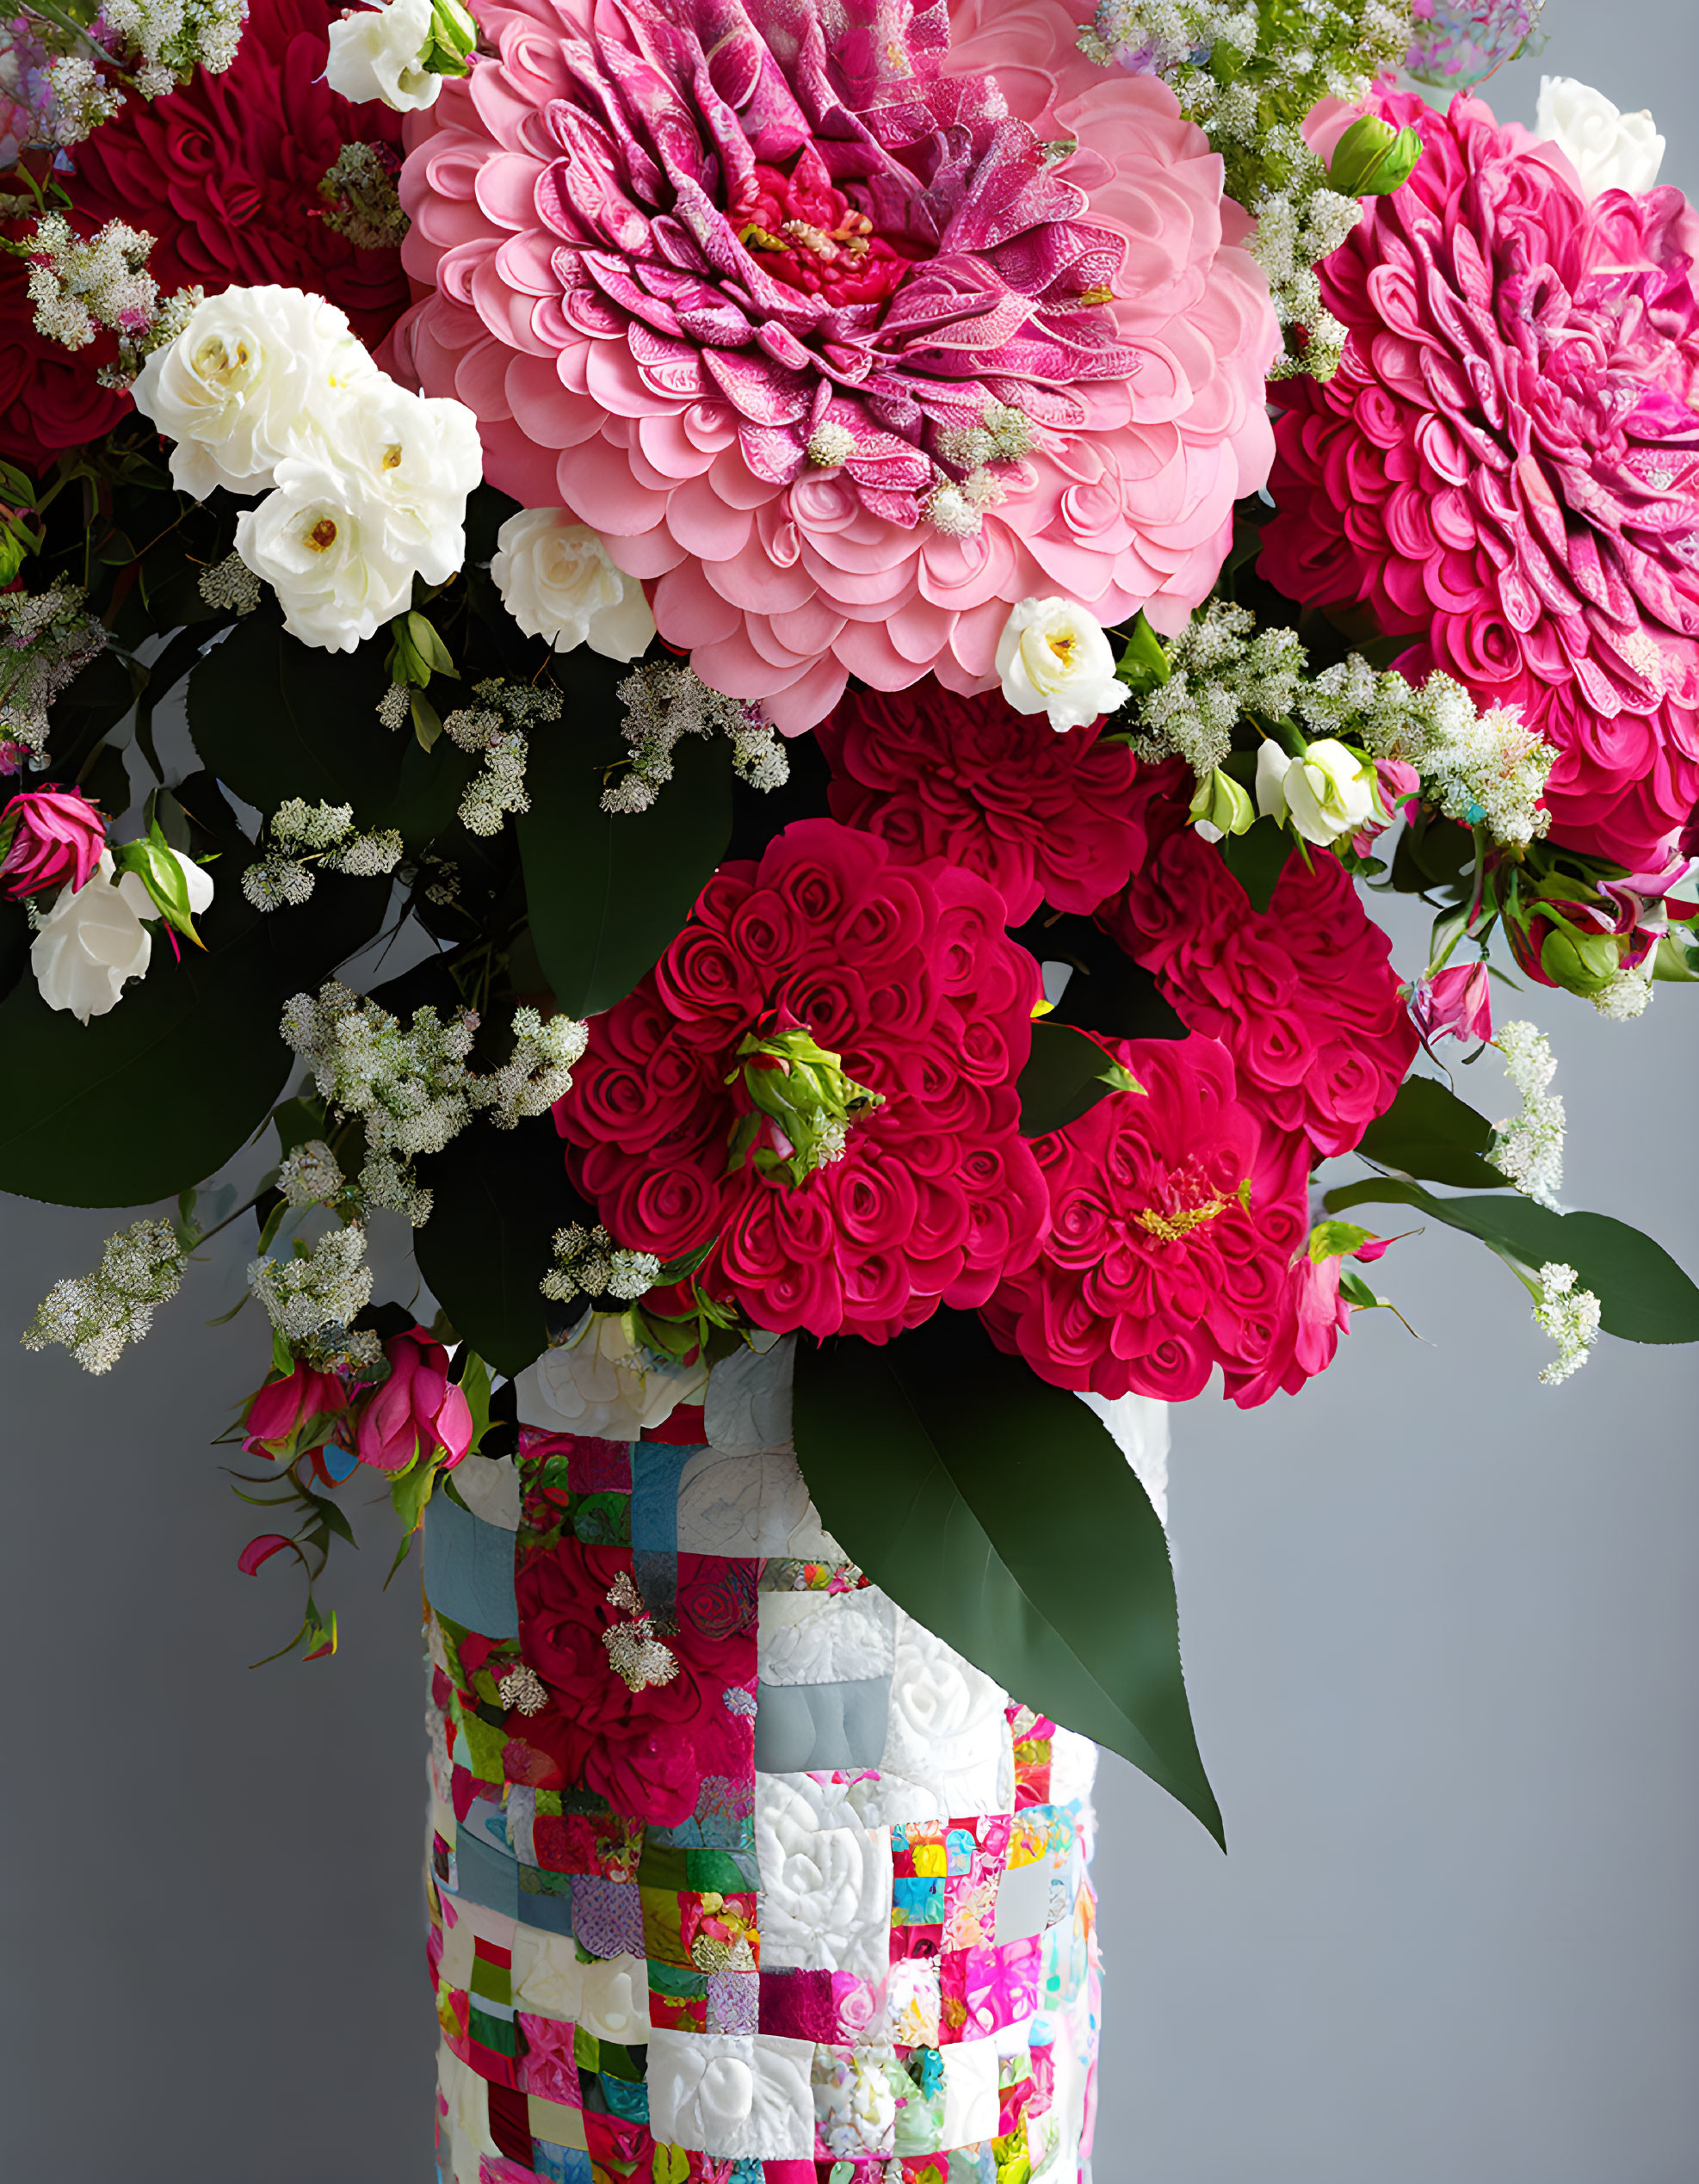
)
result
[(736, 1873)]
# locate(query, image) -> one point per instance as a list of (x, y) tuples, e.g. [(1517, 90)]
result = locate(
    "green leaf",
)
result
[(1065, 1077), (1428, 1131), (1000, 1513), (1644, 1296), (501, 1194), (474, 1386), (410, 1490), (1255, 859), (157, 1093), (1109, 992), (608, 891)]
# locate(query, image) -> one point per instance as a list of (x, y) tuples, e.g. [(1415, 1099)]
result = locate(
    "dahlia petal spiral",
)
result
[(802, 317)]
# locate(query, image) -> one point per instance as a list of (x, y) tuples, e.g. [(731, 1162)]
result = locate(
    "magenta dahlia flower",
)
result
[(854, 1195), (801, 315), (1505, 463), (1302, 994), (1044, 818), (1179, 1219)]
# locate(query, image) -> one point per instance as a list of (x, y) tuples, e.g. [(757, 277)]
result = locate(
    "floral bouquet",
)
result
[(747, 666)]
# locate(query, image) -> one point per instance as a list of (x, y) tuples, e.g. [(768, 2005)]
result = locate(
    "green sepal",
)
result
[(1144, 664), (155, 864)]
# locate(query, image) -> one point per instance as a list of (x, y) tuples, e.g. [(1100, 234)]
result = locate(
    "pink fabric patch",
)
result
[(550, 2068)]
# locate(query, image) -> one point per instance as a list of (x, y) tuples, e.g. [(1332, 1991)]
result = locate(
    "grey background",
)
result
[(1440, 1626)]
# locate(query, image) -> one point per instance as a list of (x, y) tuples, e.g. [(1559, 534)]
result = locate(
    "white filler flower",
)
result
[(558, 581), (1054, 658)]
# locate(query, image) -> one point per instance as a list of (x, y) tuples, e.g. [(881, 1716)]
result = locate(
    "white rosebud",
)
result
[(1054, 658), (252, 376), (1608, 149), (378, 53), (197, 881), (420, 456), (1327, 793), (89, 943), (558, 581), (329, 546)]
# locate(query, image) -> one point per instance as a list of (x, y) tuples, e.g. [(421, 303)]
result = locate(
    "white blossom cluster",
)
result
[(1222, 666), (299, 836), (310, 1175), (313, 1299), (411, 1087), (95, 1316), (46, 639), (79, 284), (497, 728), (163, 42), (1247, 75), (1570, 1315), (1529, 1148), (81, 98), (588, 1264), (1627, 995), (231, 585), (667, 700)]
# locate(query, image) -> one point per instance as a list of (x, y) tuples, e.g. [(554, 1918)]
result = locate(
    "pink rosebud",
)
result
[(59, 837), (1456, 1001), (417, 1411), (261, 1550), (282, 1407), (1398, 782)]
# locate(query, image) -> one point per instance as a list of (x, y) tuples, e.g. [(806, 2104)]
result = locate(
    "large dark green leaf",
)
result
[(138, 1104), (1109, 992), (273, 719), (607, 890), (1065, 1075), (1257, 859), (1000, 1513), (1428, 1131), (501, 1194), (1644, 1296)]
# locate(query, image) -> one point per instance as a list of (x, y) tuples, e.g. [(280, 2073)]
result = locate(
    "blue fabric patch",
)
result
[(468, 1570), (562, 2164), (550, 1908), (656, 1469), (920, 1899), (485, 1876), (813, 1728)]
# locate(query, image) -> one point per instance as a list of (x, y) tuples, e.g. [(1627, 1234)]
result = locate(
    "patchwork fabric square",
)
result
[(736, 1874)]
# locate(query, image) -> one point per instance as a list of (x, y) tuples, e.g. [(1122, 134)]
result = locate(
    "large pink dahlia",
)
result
[(794, 303), (1506, 462)]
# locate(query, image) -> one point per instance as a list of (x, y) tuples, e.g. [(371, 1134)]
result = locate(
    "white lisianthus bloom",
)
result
[(331, 548), (378, 53), (558, 581), (600, 1383), (255, 374), (89, 943), (1054, 658), (1327, 793), (419, 456), (1608, 149)]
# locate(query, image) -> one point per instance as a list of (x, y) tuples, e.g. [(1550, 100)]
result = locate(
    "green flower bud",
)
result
[(1373, 157), (1583, 963), (802, 1101), (1221, 806), (451, 37)]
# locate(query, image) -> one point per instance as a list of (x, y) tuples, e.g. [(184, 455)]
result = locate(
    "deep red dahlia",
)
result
[(1045, 819), (1302, 994), (1178, 1216), (225, 175), (908, 975), (1504, 464)]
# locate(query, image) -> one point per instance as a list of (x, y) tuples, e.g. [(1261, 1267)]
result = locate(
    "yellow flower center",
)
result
[(1169, 1228), (322, 535), (1064, 645)]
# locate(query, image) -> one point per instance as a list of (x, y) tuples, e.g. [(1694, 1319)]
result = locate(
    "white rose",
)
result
[(602, 1384), (1608, 149), (376, 54), (1054, 658), (559, 581), (330, 548), (89, 943), (255, 375), (1328, 793), (419, 456)]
